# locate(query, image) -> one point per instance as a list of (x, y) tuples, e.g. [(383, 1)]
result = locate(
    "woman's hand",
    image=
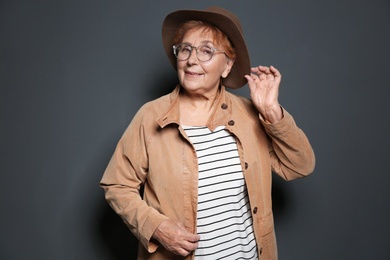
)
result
[(264, 85), (176, 238)]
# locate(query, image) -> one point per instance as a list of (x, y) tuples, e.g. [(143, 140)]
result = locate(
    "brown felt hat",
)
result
[(224, 20)]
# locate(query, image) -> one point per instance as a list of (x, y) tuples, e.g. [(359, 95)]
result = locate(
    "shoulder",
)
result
[(147, 115), (154, 108)]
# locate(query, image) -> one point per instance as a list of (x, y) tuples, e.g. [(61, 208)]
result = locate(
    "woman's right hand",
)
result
[(176, 238)]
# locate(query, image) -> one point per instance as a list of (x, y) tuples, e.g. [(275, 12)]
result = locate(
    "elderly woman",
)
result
[(203, 157)]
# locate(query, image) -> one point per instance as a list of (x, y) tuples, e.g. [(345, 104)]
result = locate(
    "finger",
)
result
[(251, 82), (187, 246), (183, 252), (190, 246), (252, 77), (187, 236), (258, 69), (264, 69), (275, 72), (193, 238), (196, 238), (248, 78)]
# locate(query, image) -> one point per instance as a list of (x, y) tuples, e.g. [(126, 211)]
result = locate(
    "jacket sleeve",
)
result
[(122, 182), (291, 153)]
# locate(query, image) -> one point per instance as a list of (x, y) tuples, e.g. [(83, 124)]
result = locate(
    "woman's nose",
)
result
[(193, 59)]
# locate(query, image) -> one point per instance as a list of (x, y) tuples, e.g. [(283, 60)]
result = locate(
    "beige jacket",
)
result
[(154, 152)]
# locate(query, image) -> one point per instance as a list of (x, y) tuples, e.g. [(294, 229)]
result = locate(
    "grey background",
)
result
[(73, 74)]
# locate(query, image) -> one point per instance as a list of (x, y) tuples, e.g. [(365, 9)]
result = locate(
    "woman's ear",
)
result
[(228, 68)]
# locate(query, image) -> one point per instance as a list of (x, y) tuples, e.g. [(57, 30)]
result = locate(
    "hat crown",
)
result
[(226, 13)]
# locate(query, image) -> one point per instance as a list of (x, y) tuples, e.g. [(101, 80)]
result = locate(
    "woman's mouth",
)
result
[(193, 73)]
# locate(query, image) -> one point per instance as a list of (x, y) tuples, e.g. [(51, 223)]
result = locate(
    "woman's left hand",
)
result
[(264, 85)]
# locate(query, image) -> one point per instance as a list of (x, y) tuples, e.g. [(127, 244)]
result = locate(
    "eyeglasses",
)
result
[(203, 52)]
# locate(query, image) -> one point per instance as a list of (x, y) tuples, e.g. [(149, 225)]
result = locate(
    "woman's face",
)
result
[(199, 77)]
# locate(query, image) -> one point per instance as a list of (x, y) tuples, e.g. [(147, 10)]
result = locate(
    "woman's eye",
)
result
[(206, 50), (186, 49)]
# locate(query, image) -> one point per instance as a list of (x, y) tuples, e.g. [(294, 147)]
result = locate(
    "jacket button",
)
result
[(254, 210), (224, 106), (246, 166), (231, 122)]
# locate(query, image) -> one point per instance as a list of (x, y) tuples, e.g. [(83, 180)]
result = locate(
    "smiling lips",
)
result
[(193, 73)]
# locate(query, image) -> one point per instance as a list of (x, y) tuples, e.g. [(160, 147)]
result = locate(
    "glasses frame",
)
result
[(214, 51)]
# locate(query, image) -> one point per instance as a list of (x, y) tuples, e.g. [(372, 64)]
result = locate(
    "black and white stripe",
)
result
[(224, 220)]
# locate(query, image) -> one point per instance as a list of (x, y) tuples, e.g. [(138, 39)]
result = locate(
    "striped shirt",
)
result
[(224, 220)]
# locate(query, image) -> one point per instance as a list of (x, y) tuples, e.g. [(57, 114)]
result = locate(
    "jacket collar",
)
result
[(221, 115)]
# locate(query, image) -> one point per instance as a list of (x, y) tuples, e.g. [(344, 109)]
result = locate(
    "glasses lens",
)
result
[(205, 53), (183, 51)]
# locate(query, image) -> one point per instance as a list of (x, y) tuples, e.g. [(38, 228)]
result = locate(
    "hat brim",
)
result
[(231, 28)]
